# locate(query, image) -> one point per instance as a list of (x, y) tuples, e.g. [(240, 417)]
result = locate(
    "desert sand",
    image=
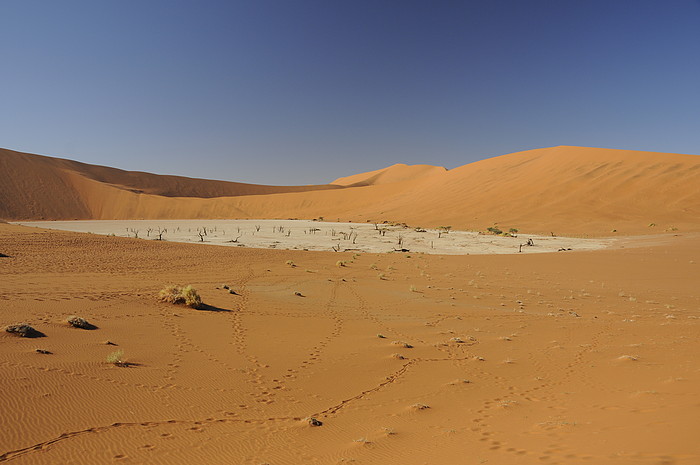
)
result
[(568, 191), (585, 357), (588, 356)]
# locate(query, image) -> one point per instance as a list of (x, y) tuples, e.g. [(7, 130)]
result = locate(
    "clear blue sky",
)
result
[(301, 92)]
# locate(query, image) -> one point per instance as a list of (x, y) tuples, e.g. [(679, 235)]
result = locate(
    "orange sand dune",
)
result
[(36, 186), (576, 358), (394, 173), (565, 190)]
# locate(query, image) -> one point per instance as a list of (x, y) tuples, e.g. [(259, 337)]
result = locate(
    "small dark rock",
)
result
[(43, 351), (298, 294), (314, 422), (225, 286)]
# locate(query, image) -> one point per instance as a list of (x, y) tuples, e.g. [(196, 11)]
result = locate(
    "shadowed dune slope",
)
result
[(37, 186), (565, 190)]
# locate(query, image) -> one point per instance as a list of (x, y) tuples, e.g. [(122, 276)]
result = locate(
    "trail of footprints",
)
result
[(264, 390)]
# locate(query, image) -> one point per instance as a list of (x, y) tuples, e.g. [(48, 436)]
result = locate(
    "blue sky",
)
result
[(302, 92)]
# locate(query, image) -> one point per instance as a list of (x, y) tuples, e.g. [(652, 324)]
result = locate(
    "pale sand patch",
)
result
[(326, 236)]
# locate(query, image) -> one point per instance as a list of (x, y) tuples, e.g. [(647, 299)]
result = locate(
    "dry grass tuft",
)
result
[(78, 322), (23, 330), (186, 295), (116, 358)]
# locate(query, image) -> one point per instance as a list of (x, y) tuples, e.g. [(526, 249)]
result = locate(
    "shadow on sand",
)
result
[(212, 308)]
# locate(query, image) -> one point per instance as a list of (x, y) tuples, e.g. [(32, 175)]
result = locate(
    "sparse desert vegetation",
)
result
[(338, 237), (79, 322), (116, 358), (181, 295), (23, 330)]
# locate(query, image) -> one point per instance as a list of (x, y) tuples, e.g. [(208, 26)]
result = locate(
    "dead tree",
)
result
[(443, 230), (529, 243)]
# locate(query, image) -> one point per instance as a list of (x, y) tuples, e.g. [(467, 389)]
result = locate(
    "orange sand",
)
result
[(588, 357), (564, 190), (585, 357)]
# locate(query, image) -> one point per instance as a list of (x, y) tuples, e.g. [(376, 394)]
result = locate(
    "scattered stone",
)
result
[(460, 381), (225, 286), (314, 422), (81, 323), (420, 406), (23, 330)]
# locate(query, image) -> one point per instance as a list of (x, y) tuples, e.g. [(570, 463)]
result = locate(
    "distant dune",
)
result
[(38, 186), (394, 173), (565, 190)]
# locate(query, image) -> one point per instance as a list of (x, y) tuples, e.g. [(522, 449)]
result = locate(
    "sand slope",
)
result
[(394, 173), (36, 186), (565, 190), (581, 358)]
